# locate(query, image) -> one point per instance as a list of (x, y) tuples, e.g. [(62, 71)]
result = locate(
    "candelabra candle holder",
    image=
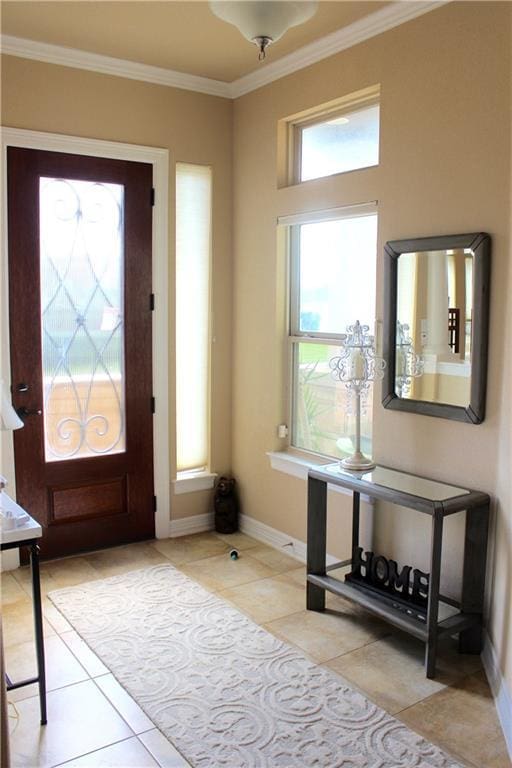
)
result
[(356, 366), (408, 365)]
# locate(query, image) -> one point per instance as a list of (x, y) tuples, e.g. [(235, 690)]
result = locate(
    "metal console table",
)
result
[(432, 498), (27, 535)]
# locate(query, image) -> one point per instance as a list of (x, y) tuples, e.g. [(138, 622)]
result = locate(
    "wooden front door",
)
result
[(80, 333)]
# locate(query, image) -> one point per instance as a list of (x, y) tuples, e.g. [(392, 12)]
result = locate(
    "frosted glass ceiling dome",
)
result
[(264, 22)]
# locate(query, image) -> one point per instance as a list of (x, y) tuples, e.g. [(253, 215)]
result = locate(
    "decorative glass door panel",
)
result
[(82, 324), (80, 321)]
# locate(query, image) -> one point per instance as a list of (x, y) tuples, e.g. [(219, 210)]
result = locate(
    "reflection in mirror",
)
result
[(436, 314), (408, 365)]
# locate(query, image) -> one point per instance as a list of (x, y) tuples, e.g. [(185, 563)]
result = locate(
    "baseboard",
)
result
[(185, 526), (502, 696), (295, 548), (277, 539)]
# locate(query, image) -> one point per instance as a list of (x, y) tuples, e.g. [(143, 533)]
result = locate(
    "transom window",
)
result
[(333, 138), (333, 263), (341, 143)]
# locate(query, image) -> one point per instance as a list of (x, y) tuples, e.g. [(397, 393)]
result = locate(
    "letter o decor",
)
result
[(380, 570)]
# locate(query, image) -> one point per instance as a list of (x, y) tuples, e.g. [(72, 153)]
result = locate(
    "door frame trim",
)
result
[(159, 159)]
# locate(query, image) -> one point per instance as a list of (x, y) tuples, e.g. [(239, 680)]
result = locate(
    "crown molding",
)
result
[(391, 16), (374, 24), (107, 65)]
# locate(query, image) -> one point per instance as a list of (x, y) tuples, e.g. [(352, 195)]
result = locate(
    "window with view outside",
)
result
[(340, 143), (333, 285)]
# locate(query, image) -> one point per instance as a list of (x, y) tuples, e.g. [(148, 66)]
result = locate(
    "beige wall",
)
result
[(194, 128), (501, 583), (445, 168)]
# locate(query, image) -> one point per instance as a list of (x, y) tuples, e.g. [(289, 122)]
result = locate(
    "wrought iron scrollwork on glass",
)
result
[(82, 295)]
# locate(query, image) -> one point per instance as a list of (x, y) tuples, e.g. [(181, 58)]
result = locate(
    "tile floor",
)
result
[(92, 722)]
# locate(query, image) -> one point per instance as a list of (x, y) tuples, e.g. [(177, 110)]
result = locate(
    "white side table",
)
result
[(25, 532)]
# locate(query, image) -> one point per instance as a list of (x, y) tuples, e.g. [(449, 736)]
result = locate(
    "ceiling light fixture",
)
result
[(265, 21)]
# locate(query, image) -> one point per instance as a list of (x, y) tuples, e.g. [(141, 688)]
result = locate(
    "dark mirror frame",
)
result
[(480, 244)]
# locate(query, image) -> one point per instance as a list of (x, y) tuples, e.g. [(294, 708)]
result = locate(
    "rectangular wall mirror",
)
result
[(436, 315)]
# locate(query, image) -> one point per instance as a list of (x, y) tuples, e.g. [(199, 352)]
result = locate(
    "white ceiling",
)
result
[(185, 37), (182, 36)]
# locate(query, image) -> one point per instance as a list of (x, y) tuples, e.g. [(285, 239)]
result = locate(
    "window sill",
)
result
[(299, 464), (189, 482), (296, 464)]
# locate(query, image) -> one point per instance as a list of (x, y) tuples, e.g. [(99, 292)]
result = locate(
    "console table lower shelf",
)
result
[(435, 499), (385, 608)]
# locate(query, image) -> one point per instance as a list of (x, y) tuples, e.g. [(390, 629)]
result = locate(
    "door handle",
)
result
[(22, 387), (23, 412)]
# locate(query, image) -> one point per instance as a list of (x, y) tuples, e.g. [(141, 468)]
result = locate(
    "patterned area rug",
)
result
[(226, 692)]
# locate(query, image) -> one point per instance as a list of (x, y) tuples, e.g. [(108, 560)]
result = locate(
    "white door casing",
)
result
[(159, 159)]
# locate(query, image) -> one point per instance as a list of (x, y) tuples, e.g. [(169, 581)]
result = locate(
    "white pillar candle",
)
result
[(357, 364)]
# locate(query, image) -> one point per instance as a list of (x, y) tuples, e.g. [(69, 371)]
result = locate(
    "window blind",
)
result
[(193, 256)]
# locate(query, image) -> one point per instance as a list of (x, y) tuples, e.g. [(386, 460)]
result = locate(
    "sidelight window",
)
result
[(193, 267)]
